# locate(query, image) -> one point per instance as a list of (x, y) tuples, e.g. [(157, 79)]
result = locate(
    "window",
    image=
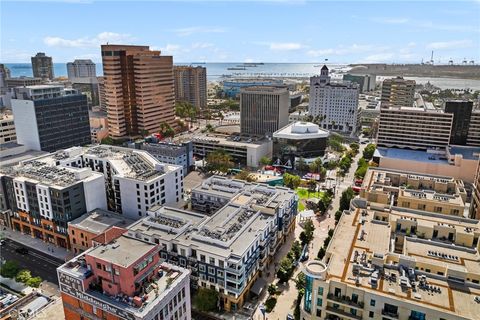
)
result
[(372, 303), (319, 313), (202, 258), (371, 314), (212, 261), (319, 302), (99, 266), (320, 291)]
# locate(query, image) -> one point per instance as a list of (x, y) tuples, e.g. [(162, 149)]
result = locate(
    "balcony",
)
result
[(390, 314), (345, 301), (342, 313)]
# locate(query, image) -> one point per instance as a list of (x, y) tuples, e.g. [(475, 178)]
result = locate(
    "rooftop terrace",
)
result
[(370, 252)]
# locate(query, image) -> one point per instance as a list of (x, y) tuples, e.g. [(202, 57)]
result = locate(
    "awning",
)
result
[(306, 214), (258, 286)]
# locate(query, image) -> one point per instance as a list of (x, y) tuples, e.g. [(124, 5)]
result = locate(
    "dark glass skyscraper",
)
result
[(462, 113)]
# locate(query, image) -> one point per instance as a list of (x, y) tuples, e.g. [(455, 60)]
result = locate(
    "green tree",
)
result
[(301, 281), (312, 185), (326, 242), (345, 199), (369, 151), (272, 289), (316, 166), (354, 146), (23, 276), (321, 253), (292, 181), (219, 160), (308, 229), (166, 130), (301, 165), (9, 269), (265, 161), (338, 214), (206, 299), (246, 176), (34, 282), (285, 270), (296, 249)]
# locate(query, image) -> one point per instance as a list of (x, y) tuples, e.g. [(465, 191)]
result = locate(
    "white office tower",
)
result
[(333, 104)]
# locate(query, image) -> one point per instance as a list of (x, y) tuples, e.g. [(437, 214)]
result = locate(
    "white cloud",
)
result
[(379, 57), (456, 44), (85, 42), (344, 50), (202, 45), (199, 29), (411, 44), (285, 46)]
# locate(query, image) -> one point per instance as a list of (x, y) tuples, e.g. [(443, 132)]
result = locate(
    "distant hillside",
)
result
[(419, 70)]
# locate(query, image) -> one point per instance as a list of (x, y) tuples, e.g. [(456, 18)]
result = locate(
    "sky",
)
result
[(245, 31)]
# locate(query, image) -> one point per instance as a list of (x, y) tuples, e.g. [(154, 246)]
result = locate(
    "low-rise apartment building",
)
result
[(7, 129), (180, 154), (396, 264), (124, 279), (413, 190), (87, 229), (225, 251), (214, 192), (134, 179), (247, 150), (44, 197)]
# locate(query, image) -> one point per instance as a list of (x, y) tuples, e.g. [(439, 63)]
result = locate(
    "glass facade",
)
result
[(307, 303), (288, 149)]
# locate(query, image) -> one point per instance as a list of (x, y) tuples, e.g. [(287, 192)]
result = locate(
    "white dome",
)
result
[(304, 127)]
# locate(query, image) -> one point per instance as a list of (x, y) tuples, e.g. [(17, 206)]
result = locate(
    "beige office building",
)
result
[(414, 128), (263, 110), (475, 207), (191, 85), (139, 89), (398, 92), (396, 264), (473, 137), (417, 191), (7, 129)]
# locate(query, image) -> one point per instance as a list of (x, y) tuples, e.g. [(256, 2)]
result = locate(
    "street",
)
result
[(322, 225), (39, 263)]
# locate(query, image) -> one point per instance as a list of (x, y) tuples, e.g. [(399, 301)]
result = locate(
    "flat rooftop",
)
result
[(40, 172), (123, 251), (230, 140), (221, 186), (467, 152), (361, 240), (98, 220), (412, 155), (230, 230)]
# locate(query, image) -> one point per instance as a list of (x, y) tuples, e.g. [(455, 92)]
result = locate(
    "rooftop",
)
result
[(128, 163), (123, 251), (412, 155), (46, 174), (364, 242), (98, 220), (467, 152), (301, 130), (165, 278), (230, 230), (220, 186), (230, 140)]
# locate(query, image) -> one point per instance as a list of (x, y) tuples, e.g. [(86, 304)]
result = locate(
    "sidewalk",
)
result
[(37, 244)]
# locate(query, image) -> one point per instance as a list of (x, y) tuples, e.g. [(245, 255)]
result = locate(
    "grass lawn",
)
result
[(303, 194)]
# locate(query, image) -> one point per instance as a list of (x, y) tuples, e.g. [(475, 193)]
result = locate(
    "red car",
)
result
[(356, 189)]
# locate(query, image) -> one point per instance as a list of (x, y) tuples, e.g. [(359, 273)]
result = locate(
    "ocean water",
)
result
[(215, 71)]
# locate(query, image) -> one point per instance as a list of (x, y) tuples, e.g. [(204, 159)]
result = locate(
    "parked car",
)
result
[(21, 250)]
